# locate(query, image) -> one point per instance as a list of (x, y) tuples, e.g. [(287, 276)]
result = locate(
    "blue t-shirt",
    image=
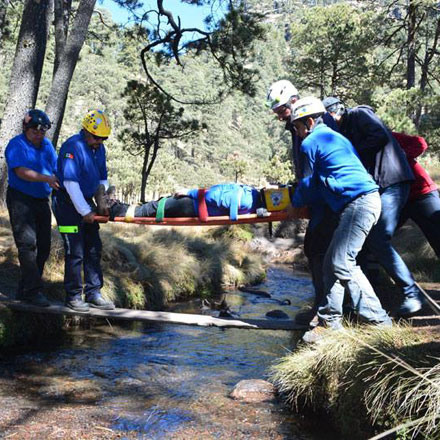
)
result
[(20, 152), (229, 199), (80, 163), (338, 176)]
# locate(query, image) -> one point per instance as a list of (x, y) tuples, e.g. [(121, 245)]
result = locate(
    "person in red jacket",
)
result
[(423, 206)]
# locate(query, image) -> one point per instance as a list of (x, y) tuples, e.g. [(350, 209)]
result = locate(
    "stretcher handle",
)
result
[(102, 218)]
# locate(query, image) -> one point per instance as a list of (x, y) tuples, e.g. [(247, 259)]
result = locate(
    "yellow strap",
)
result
[(129, 215)]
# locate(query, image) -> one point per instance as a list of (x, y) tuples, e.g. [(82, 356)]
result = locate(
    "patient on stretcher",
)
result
[(230, 199)]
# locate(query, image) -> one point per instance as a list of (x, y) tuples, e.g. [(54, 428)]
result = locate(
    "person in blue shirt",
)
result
[(31, 161), (339, 180), (81, 168), (281, 96), (222, 199)]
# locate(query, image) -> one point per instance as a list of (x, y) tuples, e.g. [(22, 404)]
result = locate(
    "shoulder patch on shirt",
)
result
[(68, 156)]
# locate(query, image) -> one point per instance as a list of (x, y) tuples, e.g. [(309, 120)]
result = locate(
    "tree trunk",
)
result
[(25, 74), (411, 41), (144, 172), (153, 157), (56, 102), (3, 9), (62, 11)]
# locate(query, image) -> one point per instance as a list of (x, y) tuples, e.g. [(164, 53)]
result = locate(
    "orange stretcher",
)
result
[(277, 216)]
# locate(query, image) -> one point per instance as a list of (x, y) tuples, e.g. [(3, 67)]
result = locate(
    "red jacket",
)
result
[(414, 146)]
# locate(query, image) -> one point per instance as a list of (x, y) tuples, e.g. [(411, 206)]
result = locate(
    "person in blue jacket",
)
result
[(31, 161), (339, 180), (281, 96), (81, 168), (230, 199), (385, 160)]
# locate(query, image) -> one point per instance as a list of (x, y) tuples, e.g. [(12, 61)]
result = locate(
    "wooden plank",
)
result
[(161, 317), (431, 303)]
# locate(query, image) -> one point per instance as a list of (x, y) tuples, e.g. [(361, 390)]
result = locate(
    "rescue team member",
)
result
[(281, 96), (31, 161), (423, 206), (340, 180), (384, 159), (81, 167)]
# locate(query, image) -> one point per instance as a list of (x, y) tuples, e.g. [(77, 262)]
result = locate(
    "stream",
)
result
[(157, 381)]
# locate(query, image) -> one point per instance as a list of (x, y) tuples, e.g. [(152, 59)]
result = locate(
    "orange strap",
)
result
[(203, 209)]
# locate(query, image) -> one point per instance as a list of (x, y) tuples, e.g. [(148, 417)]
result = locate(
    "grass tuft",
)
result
[(367, 379)]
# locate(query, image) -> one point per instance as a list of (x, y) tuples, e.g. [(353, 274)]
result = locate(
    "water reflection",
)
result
[(173, 381)]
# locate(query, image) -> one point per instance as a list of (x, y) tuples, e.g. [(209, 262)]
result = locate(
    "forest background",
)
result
[(381, 53)]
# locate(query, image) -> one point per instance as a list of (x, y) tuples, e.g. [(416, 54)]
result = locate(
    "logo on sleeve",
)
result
[(68, 156)]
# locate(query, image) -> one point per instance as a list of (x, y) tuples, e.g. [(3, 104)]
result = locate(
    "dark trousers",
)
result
[(31, 225), (425, 211), (316, 243), (82, 250), (174, 207)]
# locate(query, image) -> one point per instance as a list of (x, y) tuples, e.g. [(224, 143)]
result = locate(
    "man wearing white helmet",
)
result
[(282, 95), (340, 180)]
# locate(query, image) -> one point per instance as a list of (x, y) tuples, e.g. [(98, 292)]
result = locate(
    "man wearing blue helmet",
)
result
[(31, 161)]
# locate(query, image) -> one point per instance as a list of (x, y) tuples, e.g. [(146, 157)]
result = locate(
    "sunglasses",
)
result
[(39, 129), (99, 138)]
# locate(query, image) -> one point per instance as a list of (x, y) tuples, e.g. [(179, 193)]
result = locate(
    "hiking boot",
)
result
[(412, 303), (37, 299), (101, 200), (98, 302), (383, 324), (315, 335), (320, 332), (77, 304)]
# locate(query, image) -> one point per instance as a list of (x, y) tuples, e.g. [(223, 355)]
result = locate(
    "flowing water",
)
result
[(156, 381)]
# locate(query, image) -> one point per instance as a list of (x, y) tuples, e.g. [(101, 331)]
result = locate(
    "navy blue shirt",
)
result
[(80, 163), (338, 176), (20, 152)]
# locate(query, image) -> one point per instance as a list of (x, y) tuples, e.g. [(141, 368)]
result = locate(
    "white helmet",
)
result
[(280, 93), (309, 106)]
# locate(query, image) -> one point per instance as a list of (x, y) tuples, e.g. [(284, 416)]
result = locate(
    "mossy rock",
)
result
[(25, 329)]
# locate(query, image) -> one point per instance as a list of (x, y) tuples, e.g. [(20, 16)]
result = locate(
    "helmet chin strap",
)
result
[(308, 128)]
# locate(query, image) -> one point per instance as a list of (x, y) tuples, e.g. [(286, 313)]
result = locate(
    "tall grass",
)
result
[(368, 379)]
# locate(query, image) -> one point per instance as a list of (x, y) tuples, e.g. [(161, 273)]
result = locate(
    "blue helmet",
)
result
[(333, 105), (36, 119)]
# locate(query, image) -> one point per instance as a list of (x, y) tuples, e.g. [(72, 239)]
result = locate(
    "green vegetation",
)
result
[(362, 53), (147, 267), (367, 380)]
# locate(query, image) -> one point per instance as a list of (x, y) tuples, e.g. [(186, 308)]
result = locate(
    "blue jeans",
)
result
[(425, 211), (341, 271), (316, 242), (379, 244)]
